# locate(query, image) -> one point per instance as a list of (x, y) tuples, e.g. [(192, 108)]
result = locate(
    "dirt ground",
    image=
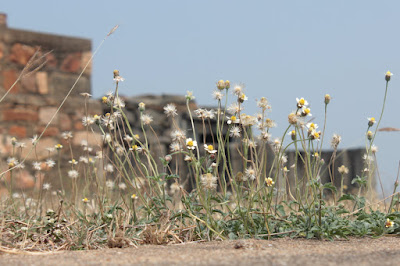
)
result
[(356, 251)]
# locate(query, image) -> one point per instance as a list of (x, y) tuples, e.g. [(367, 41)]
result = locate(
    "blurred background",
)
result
[(279, 49)]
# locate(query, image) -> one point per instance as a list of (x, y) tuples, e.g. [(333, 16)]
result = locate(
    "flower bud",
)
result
[(388, 75), (142, 107), (327, 98)]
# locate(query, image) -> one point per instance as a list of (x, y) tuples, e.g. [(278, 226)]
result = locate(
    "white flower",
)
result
[(210, 149), (87, 121), (191, 144), (109, 168), (250, 173), (264, 135), (234, 108), (178, 135), (119, 103), (301, 102), (34, 139), (66, 135), (11, 162), (218, 95), (20, 145), (122, 186), (128, 139), (238, 89), (73, 174), (175, 146), (107, 137), (208, 181), (50, 163), (46, 186), (312, 126), (146, 119), (235, 132), (232, 119), (170, 110), (73, 162), (36, 166), (110, 184), (118, 79), (374, 149), (84, 159)]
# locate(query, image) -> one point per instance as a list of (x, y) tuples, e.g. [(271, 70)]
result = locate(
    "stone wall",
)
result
[(49, 65)]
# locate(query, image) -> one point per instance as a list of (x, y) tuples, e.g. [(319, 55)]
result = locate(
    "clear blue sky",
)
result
[(279, 49)]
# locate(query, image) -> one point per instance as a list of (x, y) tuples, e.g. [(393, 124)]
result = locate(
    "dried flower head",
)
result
[(343, 170), (336, 139), (170, 110), (208, 181)]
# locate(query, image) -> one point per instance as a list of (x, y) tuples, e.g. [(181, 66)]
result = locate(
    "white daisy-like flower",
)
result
[(235, 132), (200, 113), (191, 144), (108, 121), (73, 162), (232, 120), (118, 79), (73, 174), (83, 159), (46, 186), (66, 135), (189, 95), (34, 139), (50, 163), (312, 126), (250, 173), (12, 161), (301, 102), (209, 149), (20, 145), (37, 166), (305, 111), (128, 139), (170, 110), (210, 114), (87, 120)]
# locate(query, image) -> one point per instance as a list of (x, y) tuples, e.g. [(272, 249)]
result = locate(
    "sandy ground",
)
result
[(364, 251)]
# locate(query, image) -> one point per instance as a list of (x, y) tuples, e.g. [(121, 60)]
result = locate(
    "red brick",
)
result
[(20, 115), (9, 77), (17, 131), (72, 63), (50, 131), (78, 125), (1, 50), (65, 122), (21, 53), (51, 60), (28, 83)]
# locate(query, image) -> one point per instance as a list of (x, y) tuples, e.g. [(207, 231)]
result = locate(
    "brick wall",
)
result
[(54, 65)]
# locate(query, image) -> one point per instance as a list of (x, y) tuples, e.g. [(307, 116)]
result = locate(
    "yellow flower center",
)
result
[(316, 135), (312, 125), (136, 136), (210, 147), (316, 154), (293, 132), (388, 73), (104, 99), (190, 143), (302, 101), (134, 147), (233, 118), (85, 200), (372, 119), (307, 111), (133, 196)]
